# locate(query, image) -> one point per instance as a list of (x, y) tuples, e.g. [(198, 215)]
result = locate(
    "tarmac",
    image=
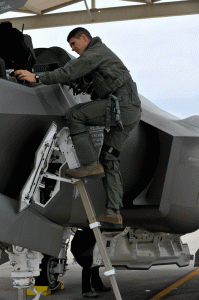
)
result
[(133, 285)]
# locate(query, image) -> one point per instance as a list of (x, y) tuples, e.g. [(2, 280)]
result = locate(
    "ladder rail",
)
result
[(62, 141), (92, 219)]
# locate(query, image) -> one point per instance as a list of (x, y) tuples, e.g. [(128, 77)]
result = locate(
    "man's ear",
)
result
[(84, 37)]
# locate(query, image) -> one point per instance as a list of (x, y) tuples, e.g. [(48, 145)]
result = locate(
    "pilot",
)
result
[(99, 72)]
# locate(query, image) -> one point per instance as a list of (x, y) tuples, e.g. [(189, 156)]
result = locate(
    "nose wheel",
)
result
[(47, 277)]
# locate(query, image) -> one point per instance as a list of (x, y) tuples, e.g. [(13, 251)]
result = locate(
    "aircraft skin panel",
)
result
[(170, 126), (67, 209), (35, 100), (149, 106), (28, 229), (178, 210), (183, 184), (154, 193), (182, 219), (187, 183), (26, 113), (19, 140)]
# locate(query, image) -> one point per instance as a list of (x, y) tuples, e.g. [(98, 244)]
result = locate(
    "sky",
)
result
[(162, 54)]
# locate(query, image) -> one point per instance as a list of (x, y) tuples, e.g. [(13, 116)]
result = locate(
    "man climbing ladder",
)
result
[(99, 72)]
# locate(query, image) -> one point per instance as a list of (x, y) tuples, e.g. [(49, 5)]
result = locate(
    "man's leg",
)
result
[(96, 281), (114, 143), (86, 279), (85, 262), (76, 121), (78, 118)]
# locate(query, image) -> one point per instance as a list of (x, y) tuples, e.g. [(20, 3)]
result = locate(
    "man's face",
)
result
[(79, 45)]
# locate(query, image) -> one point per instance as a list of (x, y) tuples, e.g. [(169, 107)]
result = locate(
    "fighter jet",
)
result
[(40, 207)]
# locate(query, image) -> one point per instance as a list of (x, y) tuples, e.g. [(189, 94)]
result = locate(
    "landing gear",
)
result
[(47, 276), (25, 264), (52, 267)]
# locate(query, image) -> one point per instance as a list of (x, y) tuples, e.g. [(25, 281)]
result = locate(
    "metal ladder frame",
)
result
[(94, 225), (72, 161)]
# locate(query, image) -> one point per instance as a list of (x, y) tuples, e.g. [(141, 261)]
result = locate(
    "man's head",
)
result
[(79, 38)]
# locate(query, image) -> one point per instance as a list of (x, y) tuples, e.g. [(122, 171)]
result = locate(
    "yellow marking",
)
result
[(175, 285), (61, 286), (45, 290)]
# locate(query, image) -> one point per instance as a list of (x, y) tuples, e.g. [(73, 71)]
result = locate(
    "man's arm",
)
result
[(72, 70)]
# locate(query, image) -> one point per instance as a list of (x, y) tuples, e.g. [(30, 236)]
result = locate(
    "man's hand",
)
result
[(25, 75)]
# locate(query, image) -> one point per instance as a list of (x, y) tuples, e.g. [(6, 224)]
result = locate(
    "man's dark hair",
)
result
[(77, 32)]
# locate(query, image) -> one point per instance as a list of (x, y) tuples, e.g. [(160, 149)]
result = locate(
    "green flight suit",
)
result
[(104, 74)]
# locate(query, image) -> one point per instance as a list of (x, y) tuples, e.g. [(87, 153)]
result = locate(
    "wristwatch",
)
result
[(37, 77)]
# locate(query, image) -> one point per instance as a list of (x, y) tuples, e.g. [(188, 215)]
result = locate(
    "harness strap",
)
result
[(108, 114), (111, 150), (118, 120)]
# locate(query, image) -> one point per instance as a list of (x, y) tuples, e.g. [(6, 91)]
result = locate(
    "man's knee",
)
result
[(69, 114), (75, 121)]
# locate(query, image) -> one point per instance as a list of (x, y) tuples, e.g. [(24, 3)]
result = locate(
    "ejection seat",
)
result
[(49, 59), (16, 48)]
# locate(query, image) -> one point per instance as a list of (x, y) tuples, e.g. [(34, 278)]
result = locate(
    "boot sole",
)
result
[(111, 225), (87, 296), (94, 176)]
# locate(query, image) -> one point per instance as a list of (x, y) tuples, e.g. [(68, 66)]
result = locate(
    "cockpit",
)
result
[(17, 52)]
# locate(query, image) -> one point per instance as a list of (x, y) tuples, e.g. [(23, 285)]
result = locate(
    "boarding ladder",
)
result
[(62, 142)]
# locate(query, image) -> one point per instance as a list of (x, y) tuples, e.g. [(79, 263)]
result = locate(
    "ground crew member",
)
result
[(82, 246), (101, 73)]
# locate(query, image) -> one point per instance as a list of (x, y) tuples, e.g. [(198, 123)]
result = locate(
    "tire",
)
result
[(46, 278)]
